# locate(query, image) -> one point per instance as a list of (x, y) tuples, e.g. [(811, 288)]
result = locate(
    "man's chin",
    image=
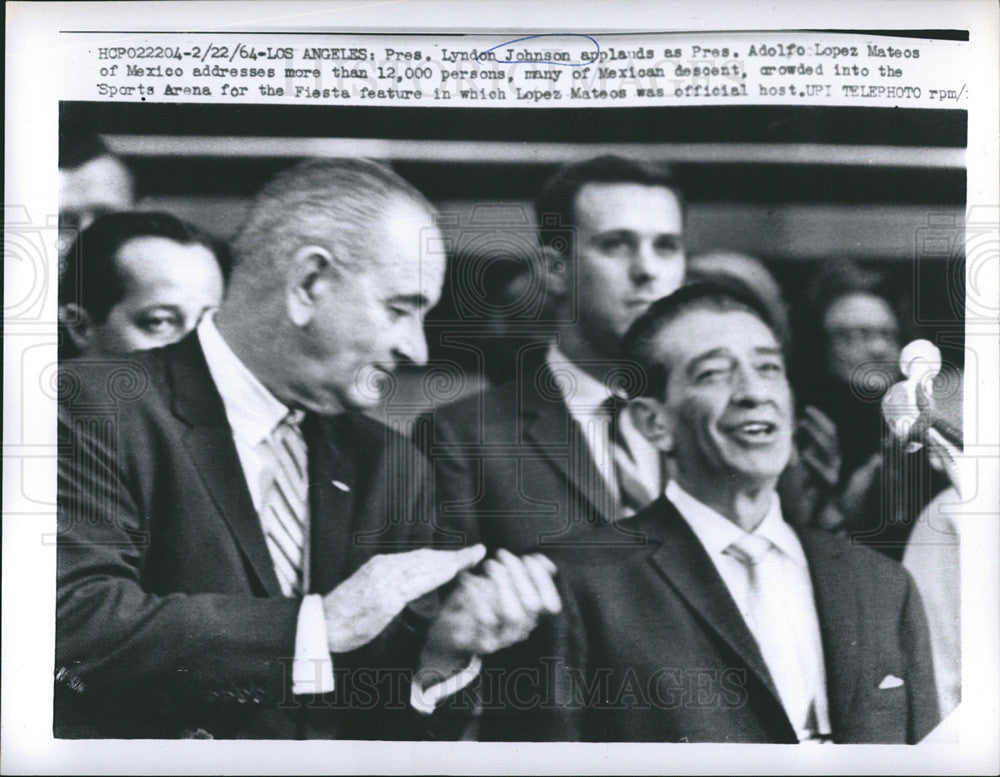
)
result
[(761, 474)]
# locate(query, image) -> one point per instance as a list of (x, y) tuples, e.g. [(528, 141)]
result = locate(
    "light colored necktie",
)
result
[(767, 615), (633, 491), (285, 506)]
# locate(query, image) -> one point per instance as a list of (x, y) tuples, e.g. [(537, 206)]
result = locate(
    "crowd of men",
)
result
[(638, 535)]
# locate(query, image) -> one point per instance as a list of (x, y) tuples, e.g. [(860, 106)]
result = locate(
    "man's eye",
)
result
[(711, 374), (772, 368), (615, 245), (396, 312), (159, 325), (668, 244)]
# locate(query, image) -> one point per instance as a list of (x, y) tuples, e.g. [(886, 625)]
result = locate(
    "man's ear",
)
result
[(653, 421), (78, 325), (305, 274), (556, 270)]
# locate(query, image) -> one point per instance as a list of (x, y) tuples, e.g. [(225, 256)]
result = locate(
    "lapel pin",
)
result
[(341, 485)]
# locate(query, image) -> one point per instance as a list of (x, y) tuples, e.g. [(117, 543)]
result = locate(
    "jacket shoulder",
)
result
[(496, 408), (118, 381), (495, 398), (876, 573)]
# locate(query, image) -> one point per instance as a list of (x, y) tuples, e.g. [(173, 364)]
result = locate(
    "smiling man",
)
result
[(726, 624)]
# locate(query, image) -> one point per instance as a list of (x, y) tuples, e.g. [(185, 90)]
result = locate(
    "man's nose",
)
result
[(750, 387), (412, 345), (646, 263), (880, 347)]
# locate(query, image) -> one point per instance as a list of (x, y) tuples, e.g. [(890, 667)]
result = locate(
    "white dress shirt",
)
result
[(716, 533), (253, 412), (584, 395)]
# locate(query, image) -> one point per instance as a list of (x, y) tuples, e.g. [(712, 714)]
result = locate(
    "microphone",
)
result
[(910, 401), (920, 362)]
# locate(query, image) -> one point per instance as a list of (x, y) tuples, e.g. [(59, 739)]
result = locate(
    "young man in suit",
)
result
[(544, 461), (240, 551), (727, 624)]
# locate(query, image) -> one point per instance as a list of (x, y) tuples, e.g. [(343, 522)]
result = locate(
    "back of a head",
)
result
[(555, 204), (332, 203), (641, 343)]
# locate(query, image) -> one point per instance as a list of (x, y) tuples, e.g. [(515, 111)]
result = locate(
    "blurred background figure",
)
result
[(136, 280), (849, 349), (852, 330), (92, 181)]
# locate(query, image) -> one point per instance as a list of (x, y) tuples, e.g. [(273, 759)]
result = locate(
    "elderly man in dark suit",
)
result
[(240, 551), (726, 624), (545, 460)]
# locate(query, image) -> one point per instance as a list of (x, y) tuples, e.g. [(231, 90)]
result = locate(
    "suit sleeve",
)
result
[(113, 636), (920, 683), (538, 690)]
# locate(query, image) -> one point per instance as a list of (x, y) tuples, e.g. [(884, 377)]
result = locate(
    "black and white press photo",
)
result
[(560, 388)]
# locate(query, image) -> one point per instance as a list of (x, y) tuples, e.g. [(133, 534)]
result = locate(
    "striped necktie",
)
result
[(634, 493), (285, 506)]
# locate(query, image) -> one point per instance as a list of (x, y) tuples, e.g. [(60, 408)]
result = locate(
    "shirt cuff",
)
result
[(424, 700), (312, 668)]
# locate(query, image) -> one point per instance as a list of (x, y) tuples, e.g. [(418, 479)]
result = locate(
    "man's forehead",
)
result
[(860, 308), (153, 261), (694, 333), (103, 179), (629, 205), (417, 270)]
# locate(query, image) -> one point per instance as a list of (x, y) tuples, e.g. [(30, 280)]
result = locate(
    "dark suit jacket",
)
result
[(512, 469), (170, 619), (651, 647)]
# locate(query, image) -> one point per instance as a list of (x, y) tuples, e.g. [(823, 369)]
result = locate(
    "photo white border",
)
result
[(32, 91)]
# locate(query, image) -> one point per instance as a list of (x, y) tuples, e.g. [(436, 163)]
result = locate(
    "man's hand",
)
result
[(490, 611), (360, 608)]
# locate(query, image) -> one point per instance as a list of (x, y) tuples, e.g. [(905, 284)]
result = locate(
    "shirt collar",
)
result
[(587, 392), (716, 532), (252, 411)]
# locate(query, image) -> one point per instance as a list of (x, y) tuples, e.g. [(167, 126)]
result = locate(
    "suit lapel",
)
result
[(549, 426), (209, 441), (682, 559), (839, 609), (332, 487)]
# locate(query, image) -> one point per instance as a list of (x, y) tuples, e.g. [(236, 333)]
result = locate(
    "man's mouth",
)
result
[(754, 432)]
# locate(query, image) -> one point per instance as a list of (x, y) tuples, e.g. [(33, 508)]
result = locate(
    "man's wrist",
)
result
[(438, 664)]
